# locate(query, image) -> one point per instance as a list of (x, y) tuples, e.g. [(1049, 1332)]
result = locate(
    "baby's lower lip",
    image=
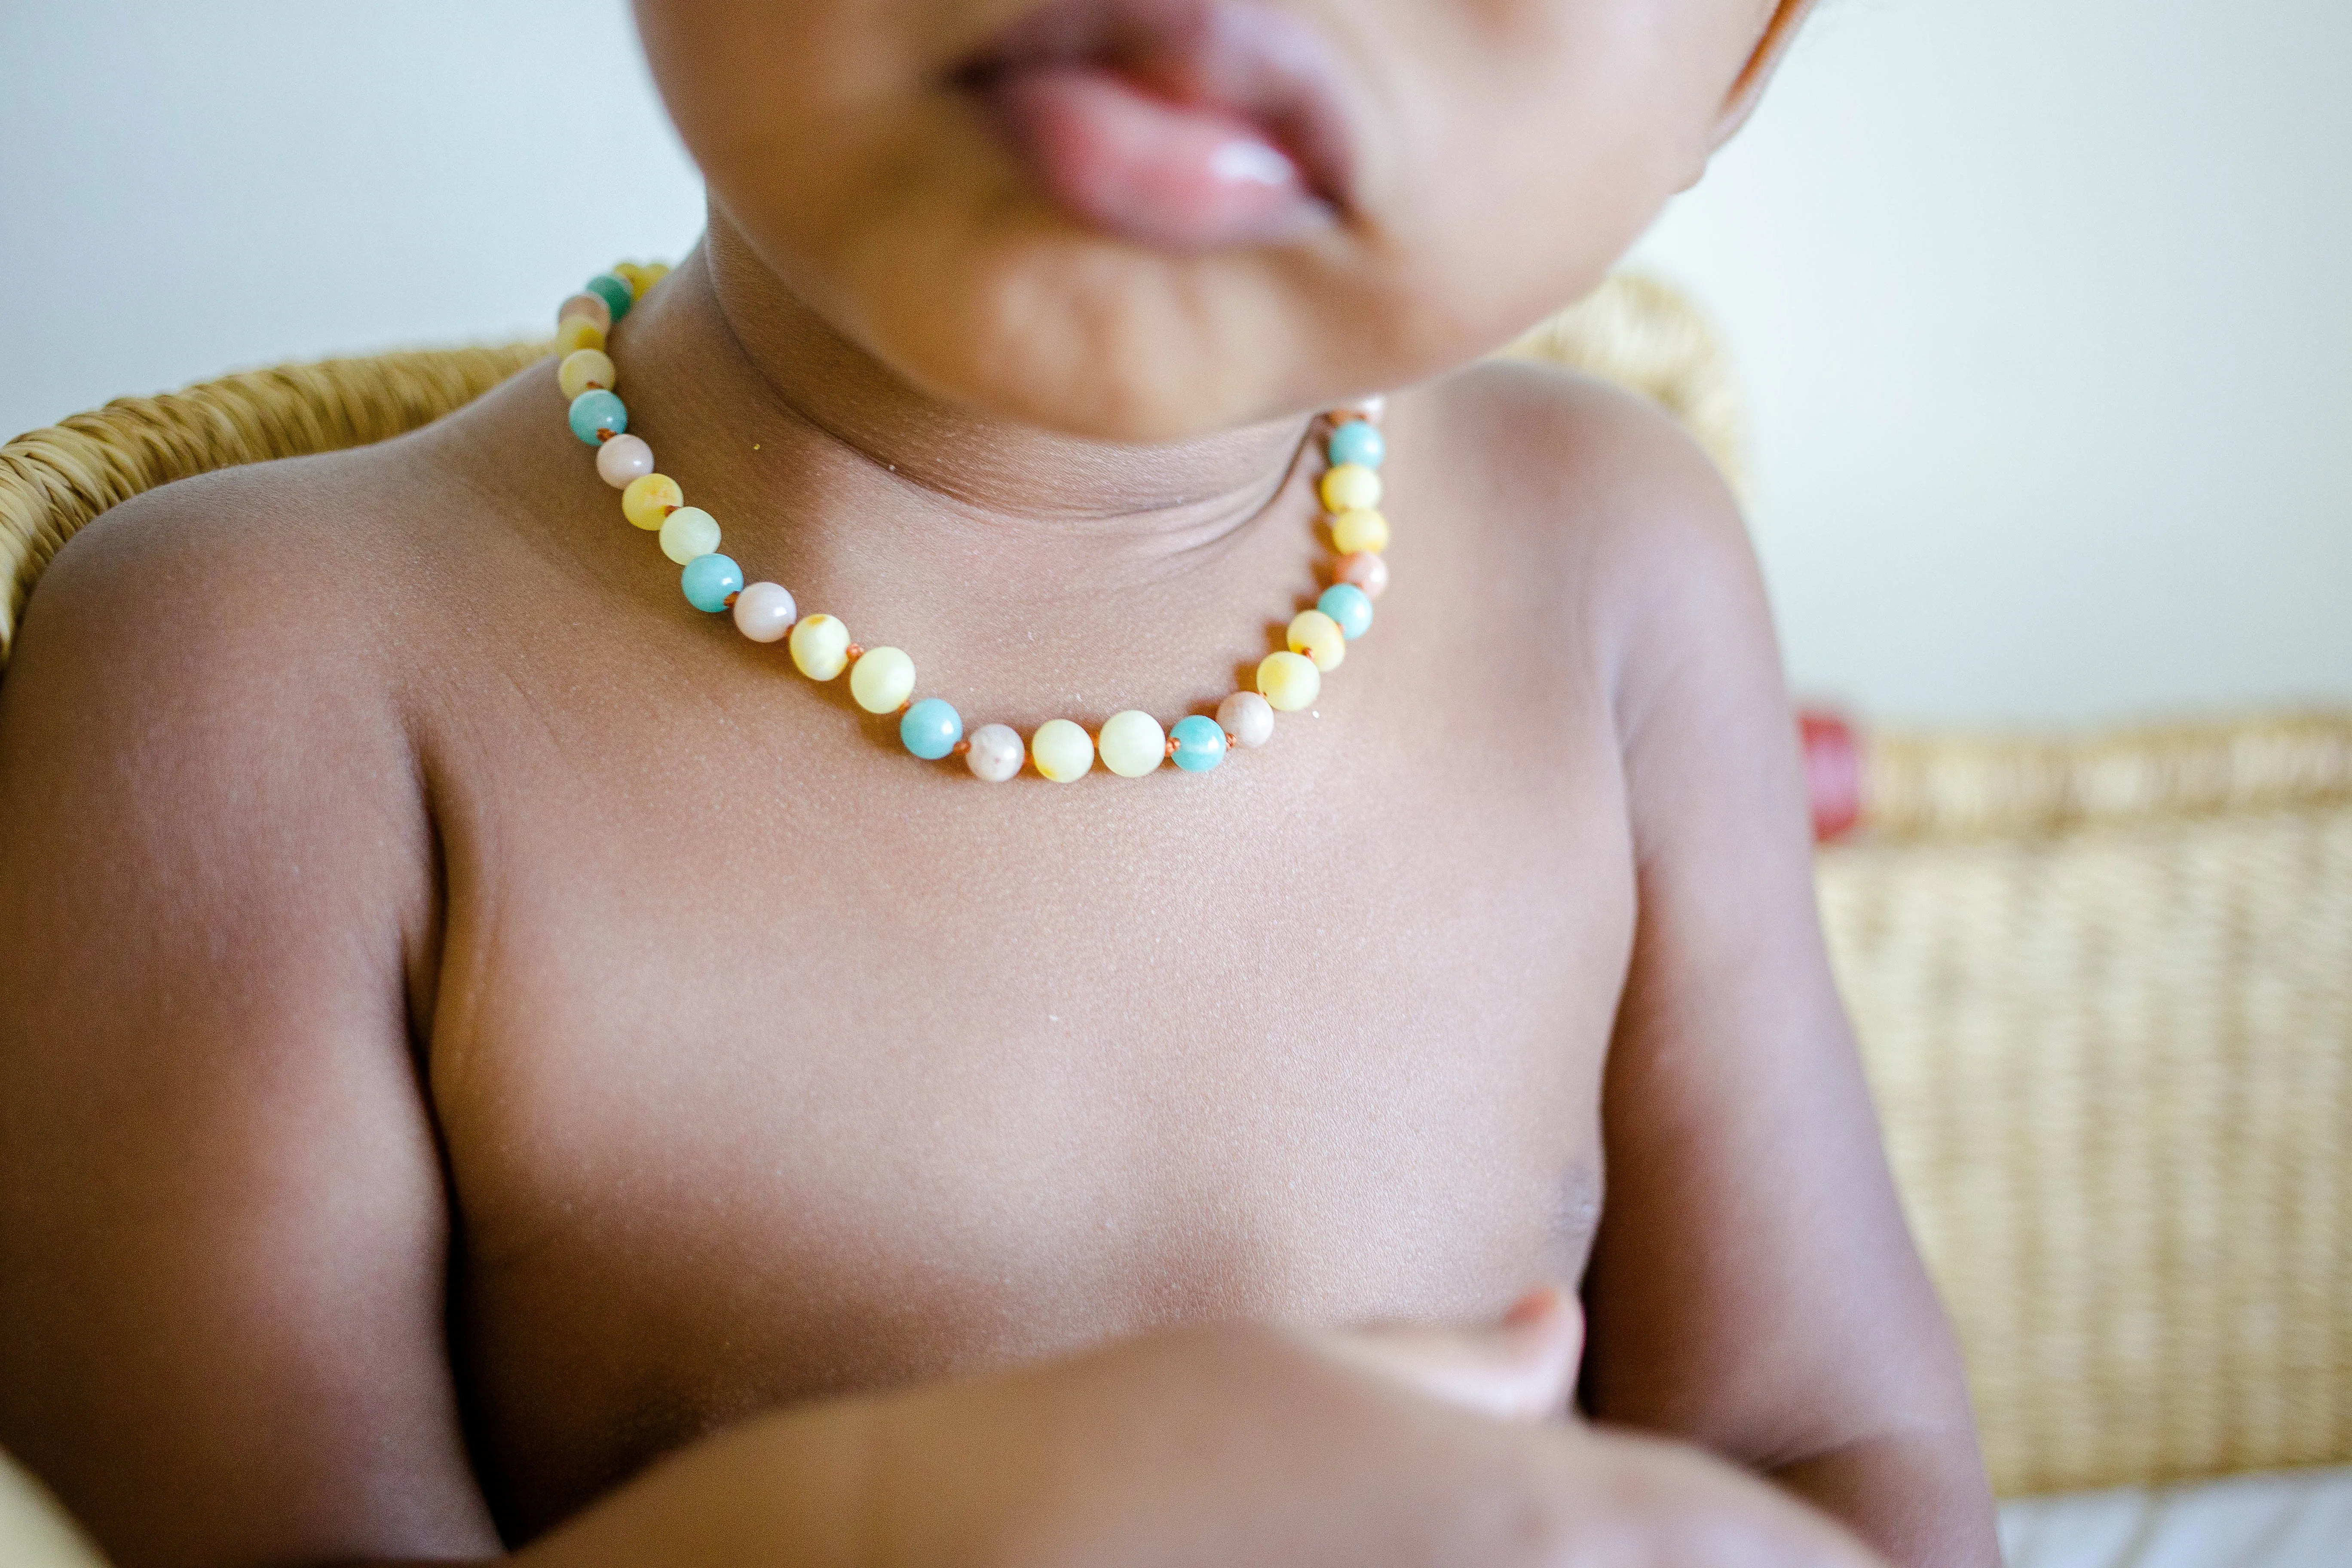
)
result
[(1142, 167)]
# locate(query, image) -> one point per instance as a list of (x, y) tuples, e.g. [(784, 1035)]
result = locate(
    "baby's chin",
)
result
[(1025, 317)]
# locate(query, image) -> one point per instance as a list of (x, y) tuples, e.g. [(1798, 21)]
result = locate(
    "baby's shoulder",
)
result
[(1596, 506)]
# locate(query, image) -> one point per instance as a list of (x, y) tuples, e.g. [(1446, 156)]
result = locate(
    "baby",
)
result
[(492, 1059)]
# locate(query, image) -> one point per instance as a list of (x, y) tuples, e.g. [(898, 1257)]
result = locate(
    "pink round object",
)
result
[(626, 458), (764, 612), (591, 306), (1364, 569)]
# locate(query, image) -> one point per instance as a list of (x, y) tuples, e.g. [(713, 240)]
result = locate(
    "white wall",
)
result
[(2044, 307)]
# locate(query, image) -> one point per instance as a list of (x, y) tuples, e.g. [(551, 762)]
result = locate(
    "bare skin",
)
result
[(471, 1027)]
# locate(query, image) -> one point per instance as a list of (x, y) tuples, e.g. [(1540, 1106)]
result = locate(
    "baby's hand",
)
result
[(1378, 1448), (1521, 1368)]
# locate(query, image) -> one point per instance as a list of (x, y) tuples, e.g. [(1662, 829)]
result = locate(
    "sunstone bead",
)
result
[(708, 580), (594, 413), (584, 369), (1316, 635), (617, 296), (1132, 743), (882, 679), (993, 752), (930, 729), (687, 533), (1062, 751), (1362, 529), (1364, 569), (1199, 744), (1289, 680), (1359, 442), (649, 499), (623, 459), (820, 647), (1247, 718), (1350, 607), (585, 307), (764, 612), (1350, 487), (575, 332)]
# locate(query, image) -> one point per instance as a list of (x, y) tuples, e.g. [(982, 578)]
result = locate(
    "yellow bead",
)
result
[(584, 370), (687, 533), (1350, 487), (654, 272), (632, 274), (820, 647), (1359, 531), (649, 499), (1132, 743), (882, 679), (576, 332), (1062, 751), (1289, 680), (1319, 636)]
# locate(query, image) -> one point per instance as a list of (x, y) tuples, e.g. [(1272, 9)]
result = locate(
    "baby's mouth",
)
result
[(1180, 124)]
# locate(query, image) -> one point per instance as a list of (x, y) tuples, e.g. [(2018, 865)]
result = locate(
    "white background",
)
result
[(2043, 308)]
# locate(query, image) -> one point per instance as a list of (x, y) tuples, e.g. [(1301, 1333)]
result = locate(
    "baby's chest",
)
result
[(860, 1102)]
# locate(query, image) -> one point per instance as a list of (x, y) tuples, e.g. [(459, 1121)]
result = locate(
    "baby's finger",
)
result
[(1521, 1368)]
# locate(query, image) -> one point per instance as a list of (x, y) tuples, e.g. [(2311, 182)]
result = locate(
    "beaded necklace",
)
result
[(882, 679)]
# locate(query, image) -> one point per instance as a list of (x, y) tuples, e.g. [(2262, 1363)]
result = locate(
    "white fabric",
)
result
[(2301, 1519)]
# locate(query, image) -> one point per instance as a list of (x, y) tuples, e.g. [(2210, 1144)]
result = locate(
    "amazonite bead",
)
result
[(1317, 637), (1247, 718), (1199, 744), (1359, 442), (1062, 751), (584, 370), (649, 499), (764, 612), (687, 533), (709, 580), (993, 752), (586, 307), (1350, 607), (1350, 487), (820, 647), (595, 413), (621, 459), (930, 729), (1359, 531), (1364, 569), (1289, 680), (1132, 743), (615, 293), (882, 679)]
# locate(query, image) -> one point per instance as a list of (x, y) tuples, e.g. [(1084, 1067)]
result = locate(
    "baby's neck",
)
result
[(768, 401)]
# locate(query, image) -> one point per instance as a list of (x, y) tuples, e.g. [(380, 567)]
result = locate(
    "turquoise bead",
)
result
[(1350, 606), (1199, 744), (613, 292), (930, 729), (709, 580), (1358, 441), (596, 410)]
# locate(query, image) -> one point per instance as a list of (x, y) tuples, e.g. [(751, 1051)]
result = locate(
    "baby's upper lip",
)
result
[(1261, 64)]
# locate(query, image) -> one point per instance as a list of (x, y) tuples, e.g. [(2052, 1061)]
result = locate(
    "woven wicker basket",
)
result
[(2103, 987)]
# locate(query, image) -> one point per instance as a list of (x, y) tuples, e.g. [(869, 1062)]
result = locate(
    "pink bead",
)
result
[(764, 612), (626, 458), (1364, 569), (588, 305)]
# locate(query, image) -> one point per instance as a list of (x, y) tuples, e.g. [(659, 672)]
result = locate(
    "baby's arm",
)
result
[(1753, 1286)]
